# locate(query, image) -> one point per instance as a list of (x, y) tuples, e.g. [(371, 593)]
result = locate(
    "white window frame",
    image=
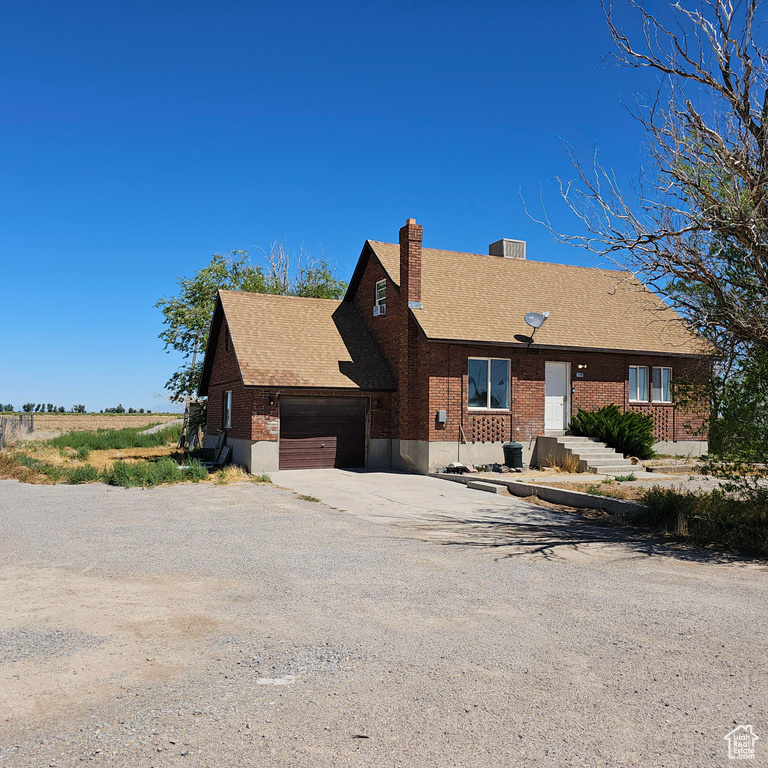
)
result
[(380, 293), (226, 417), (661, 368), (632, 398), (488, 406)]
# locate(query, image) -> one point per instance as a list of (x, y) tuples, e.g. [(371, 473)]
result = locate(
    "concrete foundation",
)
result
[(264, 456), (682, 447), (255, 456), (424, 457), (410, 455), (379, 453)]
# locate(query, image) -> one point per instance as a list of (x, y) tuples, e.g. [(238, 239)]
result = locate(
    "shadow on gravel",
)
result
[(554, 532)]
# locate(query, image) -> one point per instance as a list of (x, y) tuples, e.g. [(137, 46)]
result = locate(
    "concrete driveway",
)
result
[(395, 496), (450, 513)]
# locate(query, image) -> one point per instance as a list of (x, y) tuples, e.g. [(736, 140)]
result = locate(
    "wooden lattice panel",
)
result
[(489, 429)]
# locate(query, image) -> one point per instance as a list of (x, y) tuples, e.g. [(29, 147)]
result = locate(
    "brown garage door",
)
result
[(322, 432)]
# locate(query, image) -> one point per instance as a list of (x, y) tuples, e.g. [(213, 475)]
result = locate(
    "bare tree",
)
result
[(695, 228), (278, 266)]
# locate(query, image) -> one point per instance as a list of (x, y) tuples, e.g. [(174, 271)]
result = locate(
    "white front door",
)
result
[(556, 381)]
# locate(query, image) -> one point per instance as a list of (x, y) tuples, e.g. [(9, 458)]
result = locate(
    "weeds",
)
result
[(308, 498), (625, 478), (147, 474), (85, 474), (606, 488), (709, 518), (40, 464), (262, 478), (111, 439)]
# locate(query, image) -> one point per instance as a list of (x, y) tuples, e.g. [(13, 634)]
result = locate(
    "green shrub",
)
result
[(111, 439), (85, 474), (627, 432), (83, 453)]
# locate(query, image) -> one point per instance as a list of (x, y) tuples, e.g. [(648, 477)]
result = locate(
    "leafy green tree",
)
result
[(187, 316), (28, 407)]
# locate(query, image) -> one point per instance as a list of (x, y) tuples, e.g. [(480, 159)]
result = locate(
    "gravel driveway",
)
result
[(240, 625)]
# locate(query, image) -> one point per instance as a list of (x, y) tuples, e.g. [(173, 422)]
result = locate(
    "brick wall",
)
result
[(604, 381), (401, 343), (225, 375), (266, 417), (385, 328)]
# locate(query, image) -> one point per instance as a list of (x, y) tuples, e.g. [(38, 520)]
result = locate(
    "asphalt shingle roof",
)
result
[(289, 341), (476, 297)]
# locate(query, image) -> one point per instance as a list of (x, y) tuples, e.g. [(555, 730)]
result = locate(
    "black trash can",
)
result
[(513, 455)]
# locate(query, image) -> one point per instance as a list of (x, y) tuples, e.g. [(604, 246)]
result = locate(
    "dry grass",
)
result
[(99, 459), (233, 474), (10, 470), (568, 463), (68, 422), (603, 488)]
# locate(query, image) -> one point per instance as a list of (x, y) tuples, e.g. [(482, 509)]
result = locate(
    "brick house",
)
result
[(428, 353)]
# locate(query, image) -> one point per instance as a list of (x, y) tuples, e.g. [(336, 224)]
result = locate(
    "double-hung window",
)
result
[(488, 383), (381, 293), (638, 383), (661, 379), (226, 408), (658, 385)]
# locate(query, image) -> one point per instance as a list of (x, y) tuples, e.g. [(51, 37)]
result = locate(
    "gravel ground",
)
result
[(239, 625)]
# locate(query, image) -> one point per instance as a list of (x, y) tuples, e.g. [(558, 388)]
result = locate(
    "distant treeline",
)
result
[(51, 408)]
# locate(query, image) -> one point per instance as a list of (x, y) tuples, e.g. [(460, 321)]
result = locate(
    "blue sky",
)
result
[(137, 139)]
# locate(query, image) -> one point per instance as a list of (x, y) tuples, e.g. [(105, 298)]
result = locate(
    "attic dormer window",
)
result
[(381, 293)]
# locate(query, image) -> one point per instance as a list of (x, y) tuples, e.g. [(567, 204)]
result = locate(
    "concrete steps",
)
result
[(482, 485), (595, 456)]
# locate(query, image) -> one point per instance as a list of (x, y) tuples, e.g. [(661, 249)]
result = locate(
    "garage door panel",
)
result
[(300, 453), (322, 433)]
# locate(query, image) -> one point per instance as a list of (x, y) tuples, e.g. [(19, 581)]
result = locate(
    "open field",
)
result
[(66, 422)]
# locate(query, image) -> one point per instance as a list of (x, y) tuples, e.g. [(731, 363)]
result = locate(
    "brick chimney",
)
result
[(410, 263)]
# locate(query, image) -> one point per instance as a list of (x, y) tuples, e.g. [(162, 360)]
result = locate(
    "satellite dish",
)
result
[(536, 319)]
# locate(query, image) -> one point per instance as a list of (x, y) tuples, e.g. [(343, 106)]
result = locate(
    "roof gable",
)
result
[(290, 341), (481, 298)]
